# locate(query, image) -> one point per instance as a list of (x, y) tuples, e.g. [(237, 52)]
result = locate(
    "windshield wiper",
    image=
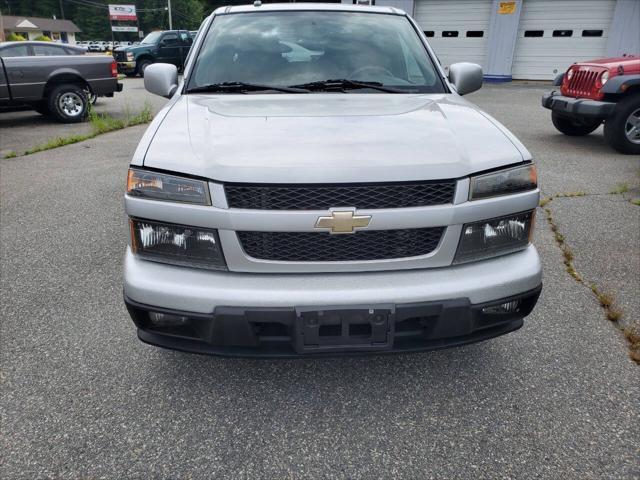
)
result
[(243, 87), (346, 84)]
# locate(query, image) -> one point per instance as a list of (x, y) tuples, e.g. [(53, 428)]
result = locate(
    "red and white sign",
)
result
[(122, 12)]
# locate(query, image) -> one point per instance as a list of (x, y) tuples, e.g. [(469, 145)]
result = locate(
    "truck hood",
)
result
[(309, 138), (631, 63), (134, 48)]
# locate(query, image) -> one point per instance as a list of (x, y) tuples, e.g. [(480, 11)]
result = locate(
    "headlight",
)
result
[(176, 244), (160, 186), (130, 56), (570, 74), (504, 182), (494, 237), (604, 77)]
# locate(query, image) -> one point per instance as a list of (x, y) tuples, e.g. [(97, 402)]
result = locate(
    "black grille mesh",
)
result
[(322, 197), (325, 247), (120, 56)]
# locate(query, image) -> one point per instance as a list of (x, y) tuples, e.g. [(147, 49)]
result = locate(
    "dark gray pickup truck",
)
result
[(58, 85)]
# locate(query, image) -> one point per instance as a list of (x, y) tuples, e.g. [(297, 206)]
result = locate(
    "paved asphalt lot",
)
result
[(81, 397), (17, 127)]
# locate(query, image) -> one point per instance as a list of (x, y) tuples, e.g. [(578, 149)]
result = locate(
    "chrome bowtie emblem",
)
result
[(343, 222)]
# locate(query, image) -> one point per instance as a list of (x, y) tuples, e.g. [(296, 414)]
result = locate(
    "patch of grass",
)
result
[(620, 188), (635, 201), (579, 193), (10, 154), (103, 123), (100, 123), (614, 314), (633, 337), (545, 201), (58, 142)]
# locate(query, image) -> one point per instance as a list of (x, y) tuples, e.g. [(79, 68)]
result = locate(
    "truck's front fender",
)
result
[(620, 83)]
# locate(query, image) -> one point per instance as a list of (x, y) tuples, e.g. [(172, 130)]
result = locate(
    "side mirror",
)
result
[(466, 77), (161, 79)]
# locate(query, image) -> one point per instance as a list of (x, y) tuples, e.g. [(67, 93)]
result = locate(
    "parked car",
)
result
[(597, 91), (84, 45), (351, 201), (95, 47), (171, 46), (59, 85)]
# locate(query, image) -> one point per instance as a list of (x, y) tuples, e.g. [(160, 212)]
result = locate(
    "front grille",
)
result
[(120, 56), (325, 247), (322, 197), (582, 82)]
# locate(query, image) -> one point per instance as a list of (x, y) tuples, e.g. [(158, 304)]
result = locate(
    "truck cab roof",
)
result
[(277, 7)]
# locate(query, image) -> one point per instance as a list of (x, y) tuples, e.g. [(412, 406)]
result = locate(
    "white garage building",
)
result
[(525, 39)]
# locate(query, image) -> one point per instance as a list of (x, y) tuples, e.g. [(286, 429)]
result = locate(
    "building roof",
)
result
[(10, 22)]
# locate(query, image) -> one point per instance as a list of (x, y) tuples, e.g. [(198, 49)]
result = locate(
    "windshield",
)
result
[(298, 48), (152, 38)]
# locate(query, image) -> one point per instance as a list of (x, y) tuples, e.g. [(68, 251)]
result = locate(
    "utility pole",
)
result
[(61, 10), (170, 20)]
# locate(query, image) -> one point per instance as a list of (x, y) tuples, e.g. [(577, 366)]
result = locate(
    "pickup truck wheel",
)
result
[(573, 128), (622, 130), (68, 103), (142, 66)]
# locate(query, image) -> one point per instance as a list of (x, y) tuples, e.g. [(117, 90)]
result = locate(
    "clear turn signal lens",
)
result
[(176, 244), (491, 238)]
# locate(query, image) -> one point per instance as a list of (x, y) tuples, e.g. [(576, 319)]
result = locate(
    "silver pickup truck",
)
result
[(318, 185), (57, 85)]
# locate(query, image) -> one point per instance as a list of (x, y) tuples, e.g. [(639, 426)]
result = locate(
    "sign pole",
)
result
[(170, 19)]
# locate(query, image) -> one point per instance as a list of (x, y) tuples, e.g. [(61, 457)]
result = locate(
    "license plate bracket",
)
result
[(337, 329)]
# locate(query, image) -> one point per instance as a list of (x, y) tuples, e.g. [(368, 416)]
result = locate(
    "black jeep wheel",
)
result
[(574, 128), (68, 103), (622, 129)]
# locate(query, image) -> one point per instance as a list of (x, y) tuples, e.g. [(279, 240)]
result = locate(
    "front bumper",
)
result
[(577, 107), (260, 314), (126, 67)]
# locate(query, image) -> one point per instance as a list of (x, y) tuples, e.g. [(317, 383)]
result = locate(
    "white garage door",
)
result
[(555, 33), (456, 30)]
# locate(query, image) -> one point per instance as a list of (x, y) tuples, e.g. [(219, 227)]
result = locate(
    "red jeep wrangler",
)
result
[(595, 91)]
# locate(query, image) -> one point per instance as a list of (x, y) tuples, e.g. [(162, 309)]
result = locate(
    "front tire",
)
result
[(622, 130), (142, 66), (68, 103), (571, 127)]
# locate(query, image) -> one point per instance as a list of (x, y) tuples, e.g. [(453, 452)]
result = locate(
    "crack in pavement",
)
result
[(606, 300)]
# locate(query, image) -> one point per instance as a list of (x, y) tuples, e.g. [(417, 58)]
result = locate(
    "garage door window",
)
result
[(450, 33), (533, 33), (562, 33), (429, 33), (592, 33), (475, 33)]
